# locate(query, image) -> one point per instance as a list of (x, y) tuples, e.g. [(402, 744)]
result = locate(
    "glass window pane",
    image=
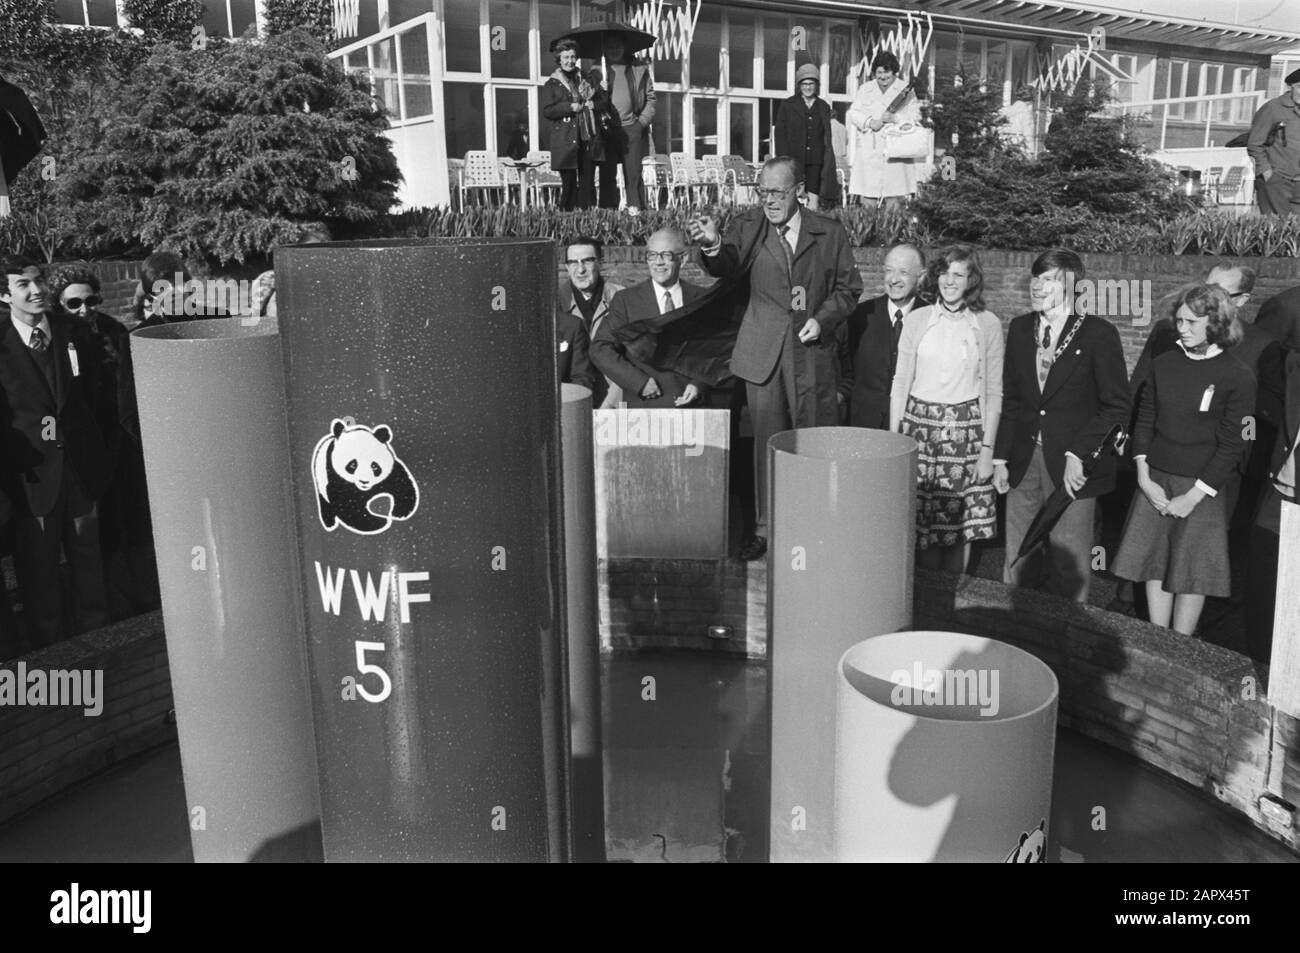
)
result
[(462, 32), (776, 53), (399, 11), (104, 12), (465, 127), (742, 131), (385, 76), (242, 12), (706, 49), (214, 18), (70, 11), (740, 69), (512, 123), (508, 38), (948, 51), (668, 123), (368, 21), (766, 113), (806, 40), (553, 18), (995, 69), (668, 70), (841, 56), (415, 72), (706, 126)]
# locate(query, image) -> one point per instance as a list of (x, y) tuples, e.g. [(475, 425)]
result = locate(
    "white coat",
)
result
[(873, 175)]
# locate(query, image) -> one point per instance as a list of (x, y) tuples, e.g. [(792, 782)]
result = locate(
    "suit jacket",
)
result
[(1086, 393), (32, 468), (566, 305), (872, 359), (626, 353), (824, 270), (1280, 317), (572, 352)]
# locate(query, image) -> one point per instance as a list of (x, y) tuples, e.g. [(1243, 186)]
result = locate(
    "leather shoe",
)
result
[(755, 547)]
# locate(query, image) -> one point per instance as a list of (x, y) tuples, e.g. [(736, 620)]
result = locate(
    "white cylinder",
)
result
[(943, 750)]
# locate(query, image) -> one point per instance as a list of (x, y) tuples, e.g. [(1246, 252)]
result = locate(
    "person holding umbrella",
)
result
[(1186, 445), (568, 100), (632, 91), (1064, 387)]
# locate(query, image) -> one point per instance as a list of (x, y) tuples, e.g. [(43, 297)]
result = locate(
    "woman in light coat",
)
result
[(874, 176)]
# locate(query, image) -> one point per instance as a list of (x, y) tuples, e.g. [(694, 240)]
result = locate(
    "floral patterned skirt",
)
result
[(952, 506)]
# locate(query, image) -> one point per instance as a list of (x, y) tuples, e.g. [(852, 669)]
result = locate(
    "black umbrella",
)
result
[(695, 340), (591, 37), (1237, 142), (21, 132), (1047, 517)]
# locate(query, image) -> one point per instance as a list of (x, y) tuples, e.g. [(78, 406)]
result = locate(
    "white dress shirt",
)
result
[(675, 291), (25, 331)]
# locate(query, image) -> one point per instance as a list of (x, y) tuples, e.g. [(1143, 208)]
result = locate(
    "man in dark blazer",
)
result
[(1280, 317), (585, 295), (872, 333), (1064, 385), (572, 352), (803, 284), (53, 464), (1280, 490), (625, 346)]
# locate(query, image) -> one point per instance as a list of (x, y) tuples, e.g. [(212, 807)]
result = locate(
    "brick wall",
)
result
[(1006, 279), (1177, 703), (44, 750)]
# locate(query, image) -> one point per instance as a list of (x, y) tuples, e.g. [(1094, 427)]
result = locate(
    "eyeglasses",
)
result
[(766, 194), (663, 256), (91, 301), (581, 262)]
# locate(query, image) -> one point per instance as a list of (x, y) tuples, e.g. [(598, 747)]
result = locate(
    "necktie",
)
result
[(897, 333), (784, 231), (1045, 355), (668, 302), (37, 342)]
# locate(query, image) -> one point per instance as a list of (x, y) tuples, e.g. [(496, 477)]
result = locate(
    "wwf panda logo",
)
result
[(1031, 847), (360, 482)]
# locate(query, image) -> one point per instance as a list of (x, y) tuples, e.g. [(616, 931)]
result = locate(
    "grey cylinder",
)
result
[(424, 440), (211, 418), (843, 502), (944, 750), (582, 622)]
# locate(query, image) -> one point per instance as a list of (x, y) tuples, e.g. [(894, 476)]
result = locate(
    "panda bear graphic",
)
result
[(353, 468), (1031, 847)]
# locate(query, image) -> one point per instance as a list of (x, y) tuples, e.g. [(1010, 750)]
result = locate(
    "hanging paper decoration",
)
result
[(908, 40), (347, 14), (673, 25), (1069, 69)]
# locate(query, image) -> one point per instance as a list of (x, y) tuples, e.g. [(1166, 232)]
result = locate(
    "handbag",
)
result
[(909, 141)]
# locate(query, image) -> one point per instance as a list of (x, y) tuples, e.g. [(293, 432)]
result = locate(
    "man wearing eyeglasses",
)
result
[(625, 353), (583, 300), (53, 461), (803, 284)]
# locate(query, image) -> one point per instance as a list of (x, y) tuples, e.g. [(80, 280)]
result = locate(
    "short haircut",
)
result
[(886, 59), (973, 297), (1212, 302), (563, 46), (17, 264), (672, 230), (586, 240), (794, 166), (161, 266), (1061, 258), (920, 254), (1248, 275), (65, 278)]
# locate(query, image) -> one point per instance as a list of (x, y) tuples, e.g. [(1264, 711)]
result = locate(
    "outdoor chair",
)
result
[(543, 178), (688, 179), (742, 176), (455, 170), (656, 174), (715, 173), (482, 173), (1229, 190)]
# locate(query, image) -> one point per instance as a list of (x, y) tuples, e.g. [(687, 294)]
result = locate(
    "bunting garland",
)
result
[(347, 15), (909, 43), (674, 27), (1068, 70)]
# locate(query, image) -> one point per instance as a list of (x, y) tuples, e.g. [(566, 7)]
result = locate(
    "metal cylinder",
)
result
[(943, 750), (843, 502), (424, 440), (582, 622), (211, 418)]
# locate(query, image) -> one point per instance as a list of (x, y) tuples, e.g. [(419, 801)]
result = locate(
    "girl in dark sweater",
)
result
[(1190, 430)]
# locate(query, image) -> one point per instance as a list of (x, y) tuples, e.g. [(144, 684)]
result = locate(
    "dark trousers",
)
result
[(1277, 196), (577, 185), (635, 148), (1261, 562), (608, 192), (1064, 567), (70, 528)]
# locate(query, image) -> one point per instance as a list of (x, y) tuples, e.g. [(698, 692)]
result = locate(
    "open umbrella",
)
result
[(21, 132), (590, 38), (1050, 513)]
